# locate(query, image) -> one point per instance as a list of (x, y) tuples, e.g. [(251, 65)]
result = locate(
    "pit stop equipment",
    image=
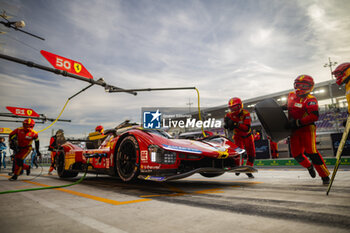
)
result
[(100, 82)]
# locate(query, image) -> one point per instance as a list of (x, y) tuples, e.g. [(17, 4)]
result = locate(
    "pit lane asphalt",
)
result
[(277, 200)]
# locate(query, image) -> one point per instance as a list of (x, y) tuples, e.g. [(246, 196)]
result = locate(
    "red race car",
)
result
[(148, 154)]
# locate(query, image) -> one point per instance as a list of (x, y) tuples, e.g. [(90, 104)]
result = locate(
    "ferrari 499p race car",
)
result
[(148, 154)]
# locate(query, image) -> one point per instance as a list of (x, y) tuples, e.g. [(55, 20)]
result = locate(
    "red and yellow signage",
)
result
[(66, 64), (5, 130), (22, 111)]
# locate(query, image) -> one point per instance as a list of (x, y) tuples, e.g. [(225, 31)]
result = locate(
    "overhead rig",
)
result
[(16, 25), (69, 68), (43, 119), (99, 82)]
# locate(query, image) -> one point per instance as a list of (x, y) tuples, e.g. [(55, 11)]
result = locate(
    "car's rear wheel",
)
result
[(211, 174), (60, 163), (127, 159)]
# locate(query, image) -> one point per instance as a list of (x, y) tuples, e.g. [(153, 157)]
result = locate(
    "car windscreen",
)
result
[(158, 132)]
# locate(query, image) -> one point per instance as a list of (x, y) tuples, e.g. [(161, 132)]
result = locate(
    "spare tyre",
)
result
[(273, 119)]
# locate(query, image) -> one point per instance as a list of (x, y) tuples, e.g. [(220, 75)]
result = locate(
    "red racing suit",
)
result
[(243, 136), (303, 139), (273, 149), (257, 136), (52, 148), (25, 138)]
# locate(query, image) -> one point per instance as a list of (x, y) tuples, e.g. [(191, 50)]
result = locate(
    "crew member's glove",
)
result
[(38, 154), (230, 124), (227, 123), (294, 124), (235, 125)]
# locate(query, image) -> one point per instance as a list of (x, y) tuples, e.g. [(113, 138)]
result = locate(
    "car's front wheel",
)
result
[(127, 159)]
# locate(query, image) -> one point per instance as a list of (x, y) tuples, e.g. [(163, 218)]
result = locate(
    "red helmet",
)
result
[(303, 85), (342, 72), (28, 123), (99, 128), (235, 105)]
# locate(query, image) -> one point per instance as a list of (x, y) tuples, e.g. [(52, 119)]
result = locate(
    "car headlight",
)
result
[(239, 150), (159, 155)]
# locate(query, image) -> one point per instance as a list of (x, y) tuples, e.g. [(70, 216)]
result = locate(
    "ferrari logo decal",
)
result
[(77, 67), (298, 105), (29, 112), (223, 154)]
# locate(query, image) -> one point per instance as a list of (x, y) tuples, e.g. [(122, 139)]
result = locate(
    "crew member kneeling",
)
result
[(238, 122), (23, 138), (302, 113)]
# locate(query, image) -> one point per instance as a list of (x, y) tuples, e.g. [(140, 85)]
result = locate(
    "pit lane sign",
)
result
[(22, 111), (5, 130), (62, 63)]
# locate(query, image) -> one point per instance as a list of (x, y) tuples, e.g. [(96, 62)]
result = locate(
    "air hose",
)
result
[(56, 118), (64, 107), (60, 186), (48, 187)]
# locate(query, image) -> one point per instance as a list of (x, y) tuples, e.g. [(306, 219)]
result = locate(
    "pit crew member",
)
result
[(302, 113), (23, 137), (99, 129), (342, 74), (2, 152), (256, 135), (55, 144), (238, 123)]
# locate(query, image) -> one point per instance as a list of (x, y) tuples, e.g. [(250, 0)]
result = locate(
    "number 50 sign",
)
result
[(66, 64)]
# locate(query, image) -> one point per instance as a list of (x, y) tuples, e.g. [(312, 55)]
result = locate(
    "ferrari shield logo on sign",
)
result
[(62, 63), (77, 67), (22, 111)]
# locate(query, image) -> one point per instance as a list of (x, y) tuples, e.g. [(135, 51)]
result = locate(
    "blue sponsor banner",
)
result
[(336, 138), (262, 149)]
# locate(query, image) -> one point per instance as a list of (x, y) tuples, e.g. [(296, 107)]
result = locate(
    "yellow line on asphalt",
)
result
[(209, 191), (172, 188), (101, 199), (88, 196)]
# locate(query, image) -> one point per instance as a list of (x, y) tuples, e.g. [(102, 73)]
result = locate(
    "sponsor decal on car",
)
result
[(144, 155), (155, 178), (150, 167)]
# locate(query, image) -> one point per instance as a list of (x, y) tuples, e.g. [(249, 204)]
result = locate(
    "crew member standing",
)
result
[(2, 152), (99, 129), (23, 137), (273, 148), (342, 74), (256, 135), (55, 144), (238, 122), (302, 113)]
